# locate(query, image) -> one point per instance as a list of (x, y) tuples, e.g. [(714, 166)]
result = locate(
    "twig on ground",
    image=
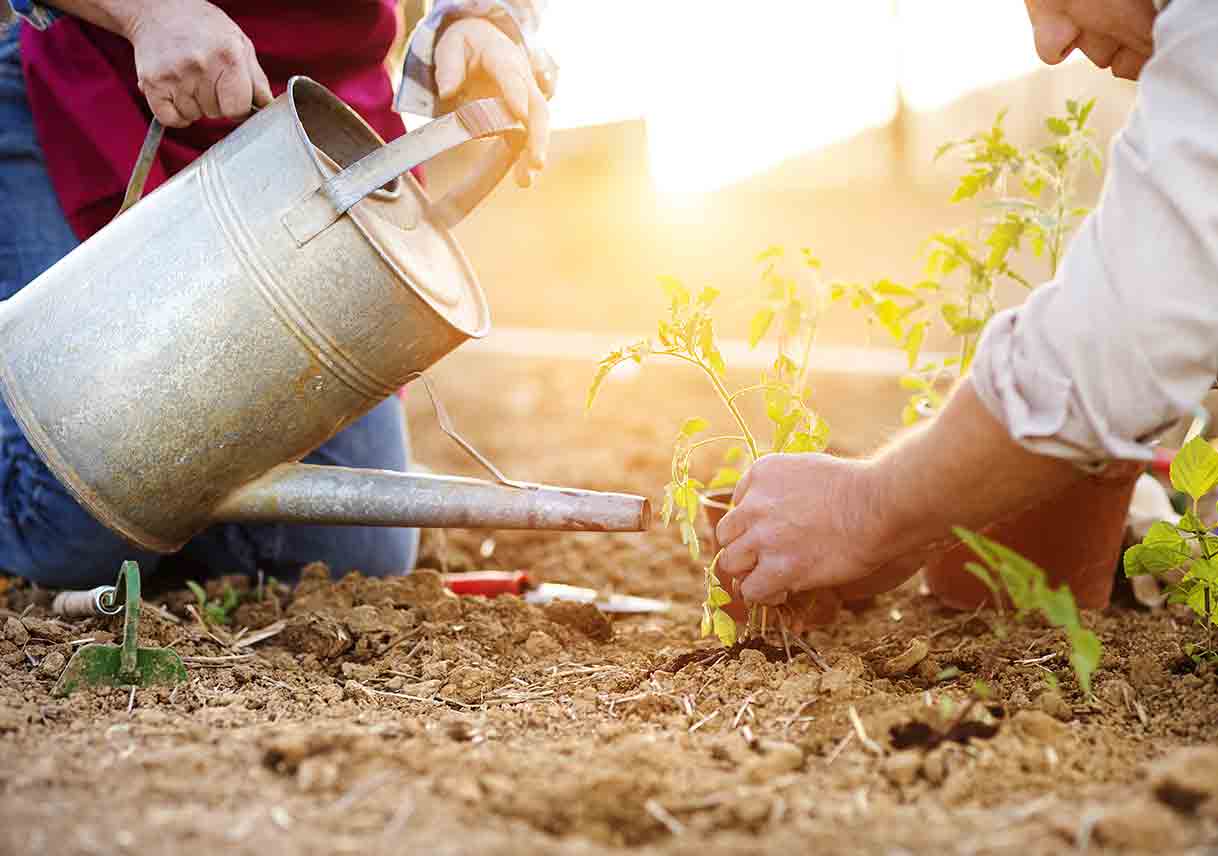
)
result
[(260, 635), (799, 716), (740, 713), (867, 742), (226, 660), (702, 721), (661, 815), (131, 701), (839, 748)]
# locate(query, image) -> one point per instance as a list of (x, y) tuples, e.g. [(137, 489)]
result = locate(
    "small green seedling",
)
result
[(1188, 548), (1025, 583), (218, 611), (791, 307), (1031, 198)]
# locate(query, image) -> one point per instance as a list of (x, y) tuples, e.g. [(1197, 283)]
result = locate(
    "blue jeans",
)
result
[(45, 536)]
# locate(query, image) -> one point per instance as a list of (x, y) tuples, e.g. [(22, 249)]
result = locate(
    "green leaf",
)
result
[(677, 293), (1058, 127), (707, 296), (960, 323), (1058, 607), (1002, 239), (734, 454), (943, 149), (890, 315), (602, 372), (892, 289), (707, 626), (1195, 468), (725, 477), (971, 184), (809, 259), (1163, 549), (718, 596), (198, 591), (725, 628), (1203, 571), (1085, 654), (759, 326), (772, 252), (1085, 112), (694, 425), (914, 338), (692, 486)]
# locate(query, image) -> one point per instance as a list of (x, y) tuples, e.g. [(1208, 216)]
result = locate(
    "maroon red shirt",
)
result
[(91, 117)]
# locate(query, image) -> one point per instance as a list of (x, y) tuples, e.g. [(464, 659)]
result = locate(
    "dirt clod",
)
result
[(1051, 702), (51, 665), (15, 632)]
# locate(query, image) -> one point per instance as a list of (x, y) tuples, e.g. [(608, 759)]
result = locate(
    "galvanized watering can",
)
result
[(173, 368)]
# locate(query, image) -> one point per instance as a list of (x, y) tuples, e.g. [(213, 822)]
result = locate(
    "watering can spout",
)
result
[(304, 493)]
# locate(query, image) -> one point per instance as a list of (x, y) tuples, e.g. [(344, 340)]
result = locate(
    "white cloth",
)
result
[(1125, 340)]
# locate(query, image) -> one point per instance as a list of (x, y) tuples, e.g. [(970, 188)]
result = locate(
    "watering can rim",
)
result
[(404, 181)]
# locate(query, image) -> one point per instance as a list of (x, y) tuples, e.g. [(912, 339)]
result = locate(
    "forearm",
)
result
[(962, 469), (117, 16)]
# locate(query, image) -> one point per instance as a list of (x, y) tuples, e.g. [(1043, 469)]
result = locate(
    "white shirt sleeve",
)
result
[(1125, 340)]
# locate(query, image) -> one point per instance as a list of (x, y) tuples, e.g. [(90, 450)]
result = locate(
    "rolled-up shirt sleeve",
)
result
[(1125, 340)]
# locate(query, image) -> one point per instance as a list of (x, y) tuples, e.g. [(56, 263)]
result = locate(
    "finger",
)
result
[(187, 106), (207, 96), (452, 58), (524, 175), (167, 114), (742, 487), (262, 87), (1100, 49), (539, 126), (733, 525), (505, 68), (234, 93), (768, 583), (740, 557), (1128, 63), (1054, 35)]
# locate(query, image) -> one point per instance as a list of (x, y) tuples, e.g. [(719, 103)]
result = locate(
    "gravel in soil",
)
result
[(381, 716)]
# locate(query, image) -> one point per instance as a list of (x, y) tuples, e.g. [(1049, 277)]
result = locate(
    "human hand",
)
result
[(809, 523), (192, 62), (472, 48), (1114, 34)]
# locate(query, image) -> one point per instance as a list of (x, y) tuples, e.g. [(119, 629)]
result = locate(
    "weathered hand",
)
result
[(808, 523), (474, 47), (192, 61)]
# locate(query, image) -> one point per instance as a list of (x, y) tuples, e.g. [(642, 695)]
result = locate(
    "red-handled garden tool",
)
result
[(495, 583)]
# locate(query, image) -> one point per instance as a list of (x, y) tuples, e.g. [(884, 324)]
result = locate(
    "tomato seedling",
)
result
[(1186, 553), (791, 306)]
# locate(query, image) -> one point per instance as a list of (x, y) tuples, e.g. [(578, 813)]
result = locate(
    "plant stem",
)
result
[(725, 397)]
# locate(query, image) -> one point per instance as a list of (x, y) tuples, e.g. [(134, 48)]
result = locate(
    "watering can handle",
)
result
[(486, 117)]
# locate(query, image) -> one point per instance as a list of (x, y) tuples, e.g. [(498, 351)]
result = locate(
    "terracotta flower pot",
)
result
[(1076, 536)]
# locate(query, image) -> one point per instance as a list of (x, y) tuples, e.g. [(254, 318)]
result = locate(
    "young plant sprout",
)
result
[(1025, 583), (1033, 194), (790, 310), (1187, 552)]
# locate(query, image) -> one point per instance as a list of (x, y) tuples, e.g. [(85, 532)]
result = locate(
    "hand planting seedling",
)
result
[(791, 307), (1187, 549), (1025, 583), (1033, 192)]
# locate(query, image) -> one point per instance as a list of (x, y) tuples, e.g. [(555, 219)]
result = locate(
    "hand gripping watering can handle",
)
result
[(487, 117)]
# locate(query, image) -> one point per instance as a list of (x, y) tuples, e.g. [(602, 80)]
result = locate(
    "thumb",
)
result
[(451, 59)]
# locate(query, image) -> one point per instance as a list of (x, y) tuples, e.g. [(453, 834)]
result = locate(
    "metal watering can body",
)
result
[(171, 368)]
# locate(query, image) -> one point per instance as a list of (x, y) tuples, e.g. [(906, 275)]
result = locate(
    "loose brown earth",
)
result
[(391, 716)]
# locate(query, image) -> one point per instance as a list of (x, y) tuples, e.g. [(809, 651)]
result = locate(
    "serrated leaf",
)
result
[(708, 295), (1163, 549), (960, 323), (971, 184), (1194, 470), (759, 326), (1058, 127), (890, 316), (725, 628), (677, 293), (694, 425), (892, 289)]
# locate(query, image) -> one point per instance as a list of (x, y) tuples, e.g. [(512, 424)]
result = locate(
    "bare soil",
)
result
[(391, 716)]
